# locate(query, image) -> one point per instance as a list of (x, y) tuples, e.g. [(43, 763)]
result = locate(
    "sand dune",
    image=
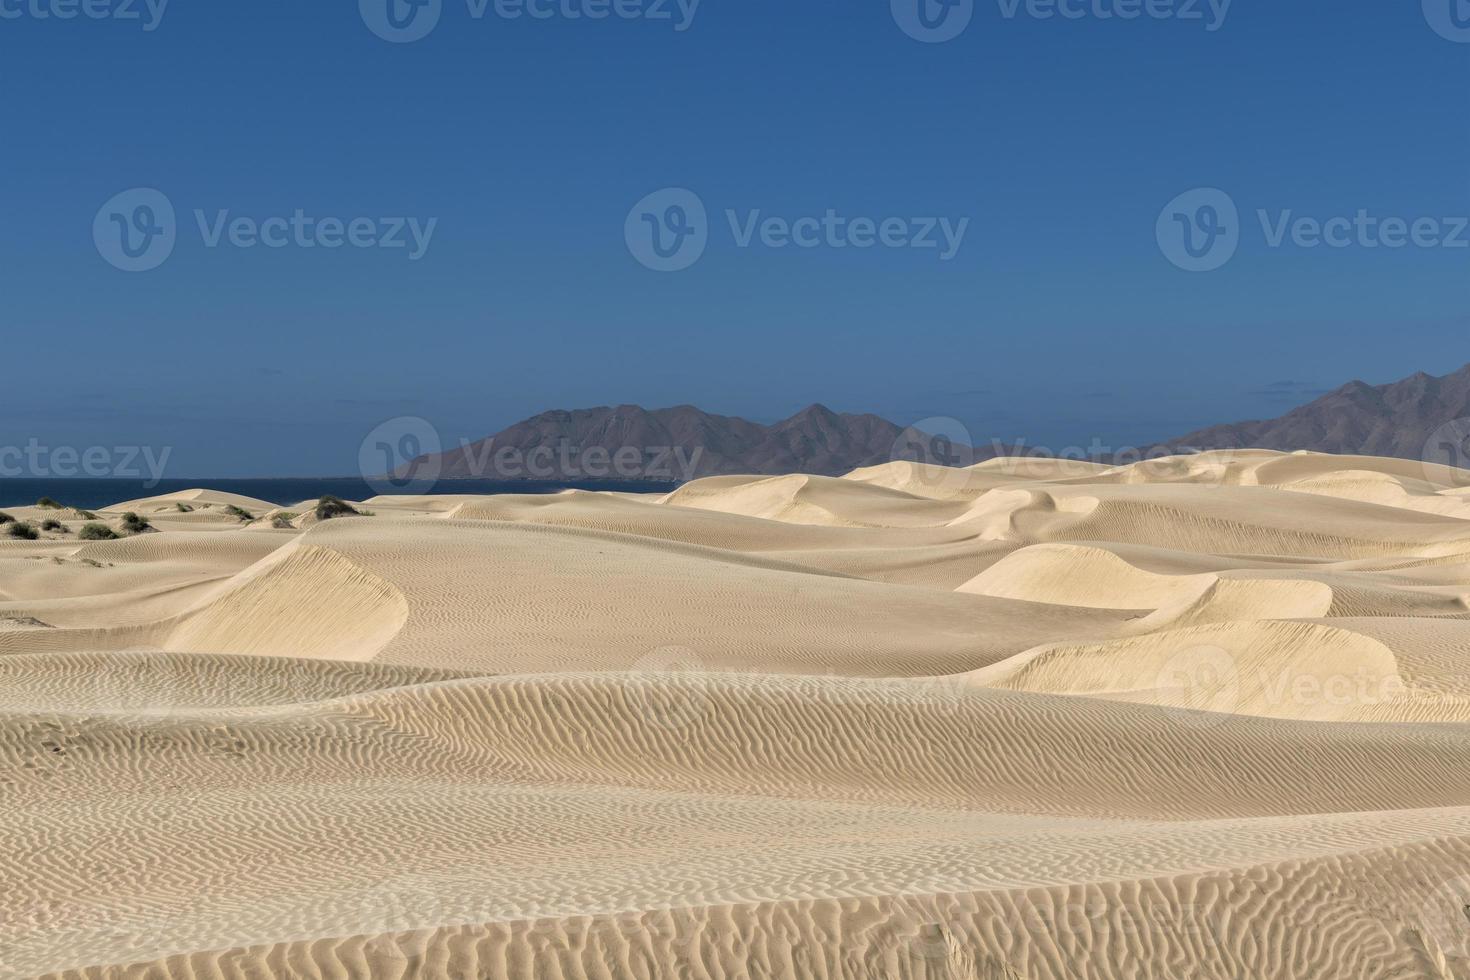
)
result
[(1199, 717)]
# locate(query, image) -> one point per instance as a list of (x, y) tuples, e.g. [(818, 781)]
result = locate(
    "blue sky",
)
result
[(1059, 319)]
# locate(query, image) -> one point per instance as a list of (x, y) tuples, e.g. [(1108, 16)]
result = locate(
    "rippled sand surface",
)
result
[(1206, 717)]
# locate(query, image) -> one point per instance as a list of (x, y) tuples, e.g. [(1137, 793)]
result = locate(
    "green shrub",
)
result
[(54, 525), (184, 508), (49, 504), (330, 507), (22, 530), (282, 522), (85, 515), (97, 532), (239, 512), (133, 524), (6, 518)]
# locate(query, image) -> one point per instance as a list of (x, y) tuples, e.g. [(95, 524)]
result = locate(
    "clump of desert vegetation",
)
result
[(239, 512), (184, 508), (133, 524), (6, 518), (51, 524), (282, 522), (22, 530), (330, 507), (85, 515), (97, 532), (46, 503)]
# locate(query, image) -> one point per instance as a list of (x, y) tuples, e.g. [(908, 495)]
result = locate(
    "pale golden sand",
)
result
[(1200, 718)]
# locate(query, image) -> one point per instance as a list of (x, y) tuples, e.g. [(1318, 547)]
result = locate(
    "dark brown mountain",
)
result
[(1357, 419), (672, 445)]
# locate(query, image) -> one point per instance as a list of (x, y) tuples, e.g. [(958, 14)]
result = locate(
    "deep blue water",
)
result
[(92, 494)]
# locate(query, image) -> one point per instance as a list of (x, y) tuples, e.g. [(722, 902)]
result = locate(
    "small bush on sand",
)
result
[(49, 504), (97, 532), (133, 524), (330, 507), (239, 512), (184, 508), (282, 522), (6, 518), (22, 530), (54, 525)]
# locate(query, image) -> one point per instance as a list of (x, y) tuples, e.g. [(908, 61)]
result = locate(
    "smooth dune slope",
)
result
[(1202, 717)]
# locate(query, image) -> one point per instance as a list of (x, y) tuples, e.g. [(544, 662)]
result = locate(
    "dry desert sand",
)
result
[(1207, 717)]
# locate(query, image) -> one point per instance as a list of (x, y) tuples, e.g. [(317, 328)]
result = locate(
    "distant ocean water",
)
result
[(92, 494)]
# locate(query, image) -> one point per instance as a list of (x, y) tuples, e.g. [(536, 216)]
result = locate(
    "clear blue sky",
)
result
[(1059, 320)]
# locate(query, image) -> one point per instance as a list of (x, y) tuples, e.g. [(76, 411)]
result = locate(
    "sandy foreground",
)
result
[(1206, 717)]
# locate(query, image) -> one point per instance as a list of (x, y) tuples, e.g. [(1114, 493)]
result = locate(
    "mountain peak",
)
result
[(814, 412)]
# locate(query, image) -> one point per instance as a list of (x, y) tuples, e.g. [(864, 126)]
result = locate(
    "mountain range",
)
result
[(629, 443), (1395, 419)]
